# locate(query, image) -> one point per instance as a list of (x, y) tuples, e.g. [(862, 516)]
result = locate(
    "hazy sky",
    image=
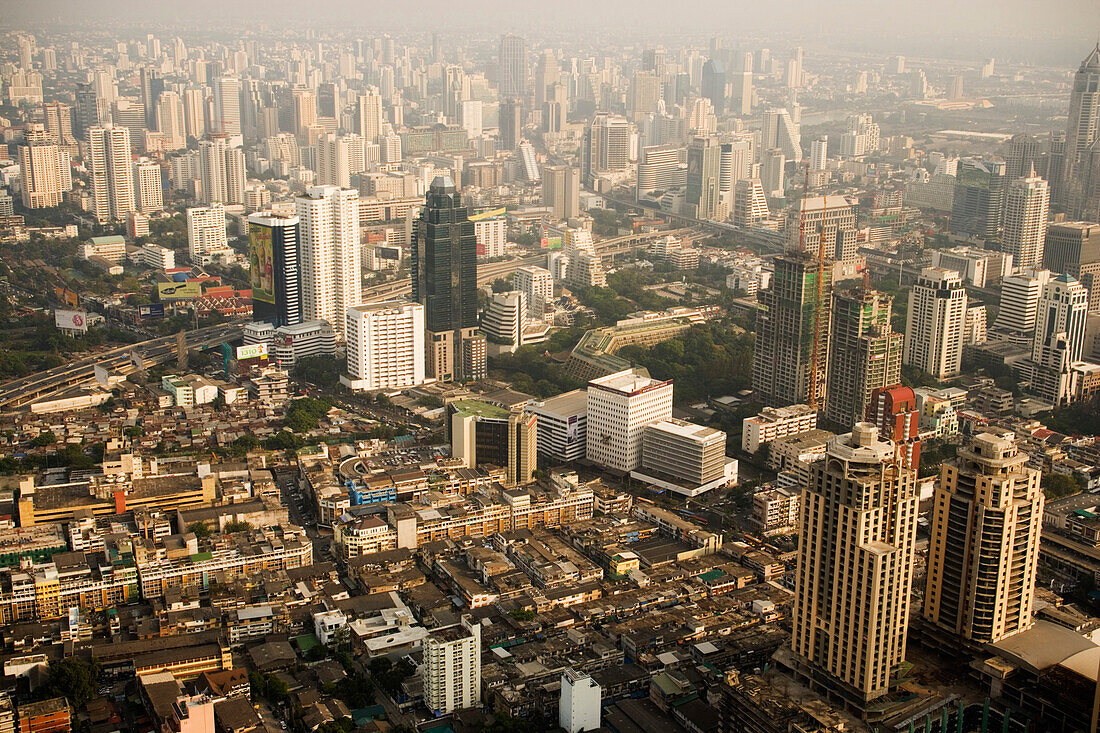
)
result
[(1051, 31)]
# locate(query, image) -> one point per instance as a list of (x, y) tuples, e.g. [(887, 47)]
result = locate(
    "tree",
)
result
[(71, 678), (236, 526), (1057, 485), (44, 439), (201, 530)]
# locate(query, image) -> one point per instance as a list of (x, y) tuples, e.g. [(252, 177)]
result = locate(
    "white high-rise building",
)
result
[(781, 131), (451, 671), (206, 232), (194, 117), (1059, 338), (227, 105), (819, 153), (370, 114), (935, 323), (148, 186), (385, 345), (212, 172), (1019, 302), (750, 203), (44, 170), (537, 286), (1027, 204), (329, 253), (579, 707), (170, 120), (492, 235), (620, 406), (109, 163), (236, 176), (472, 118), (334, 161), (503, 321)]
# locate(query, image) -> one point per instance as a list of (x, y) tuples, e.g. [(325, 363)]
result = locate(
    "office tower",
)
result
[(370, 114), (819, 222), (561, 186), (512, 67), (579, 706), (305, 113), (979, 198), (148, 186), (661, 167), (678, 452), (522, 447), (537, 286), (713, 85), (791, 324), (451, 672), (152, 86), (857, 529), (955, 87), (983, 551), (334, 160), (894, 411), (750, 204), (772, 164), (606, 146), (934, 323), (645, 92), (109, 166), (45, 173), (547, 73), (444, 277), (620, 406), (511, 123), (273, 258), (704, 169), (1074, 248), (472, 118), (1027, 203), (385, 345), (1082, 127), (1022, 153), (125, 113), (781, 131), (329, 253), (58, 119), (794, 70), (87, 111), (1059, 339), (206, 236), (741, 93), (1019, 303), (864, 353), (227, 106), (503, 320), (819, 153), (169, 121), (734, 166)]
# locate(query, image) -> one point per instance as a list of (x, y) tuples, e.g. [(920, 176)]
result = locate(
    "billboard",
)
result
[(179, 291), (152, 310), (67, 297), (71, 320), (251, 351), (261, 256)]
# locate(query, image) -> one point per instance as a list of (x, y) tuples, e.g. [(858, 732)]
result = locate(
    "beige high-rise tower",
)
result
[(857, 528), (985, 541)]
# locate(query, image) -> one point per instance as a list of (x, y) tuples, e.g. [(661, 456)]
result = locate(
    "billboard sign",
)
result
[(71, 320), (251, 351), (261, 257), (67, 297), (151, 310), (179, 291)]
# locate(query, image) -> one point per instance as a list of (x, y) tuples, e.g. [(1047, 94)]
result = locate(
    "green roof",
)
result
[(202, 556), (481, 409), (110, 239), (305, 642), (712, 575)]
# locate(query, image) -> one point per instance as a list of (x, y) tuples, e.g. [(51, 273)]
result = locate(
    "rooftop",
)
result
[(627, 382), (480, 409)]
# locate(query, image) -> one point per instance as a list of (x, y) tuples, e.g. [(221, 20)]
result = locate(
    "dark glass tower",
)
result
[(273, 255), (444, 277)]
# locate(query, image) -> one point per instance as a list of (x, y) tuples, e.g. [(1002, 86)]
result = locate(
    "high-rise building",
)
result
[(1022, 154), (606, 146), (935, 322), (329, 253), (983, 554), (819, 153), (45, 173), (857, 530), (703, 173), (1019, 303), (512, 67), (522, 447), (620, 406), (170, 122), (979, 198), (713, 84), (1059, 339), (690, 456), (484, 433), (273, 256), (788, 330), (335, 156), (1082, 130), (511, 123), (385, 345), (305, 113), (444, 278), (58, 118), (579, 707), (818, 222), (472, 117), (750, 204), (741, 93), (561, 186), (212, 171), (585, 265), (148, 186), (1027, 203), (370, 114), (227, 106), (562, 426), (194, 116), (451, 672), (661, 168), (503, 321), (152, 86), (109, 165), (894, 411), (1074, 248), (547, 73), (781, 131), (864, 353), (772, 163), (645, 92), (537, 286), (206, 236)]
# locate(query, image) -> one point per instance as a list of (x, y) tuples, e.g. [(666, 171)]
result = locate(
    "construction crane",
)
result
[(815, 355)]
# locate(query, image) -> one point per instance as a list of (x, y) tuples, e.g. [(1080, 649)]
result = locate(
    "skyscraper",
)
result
[(547, 73), (934, 323), (148, 186), (370, 114), (818, 222), (979, 198), (112, 178), (58, 118), (781, 131), (704, 170), (511, 123), (227, 105), (44, 170), (273, 255), (713, 85), (787, 333), (561, 185), (444, 277), (645, 92), (512, 67), (741, 93), (819, 153), (606, 146), (330, 253), (984, 548), (385, 345), (1082, 127), (1027, 204), (864, 353), (857, 529), (1074, 248), (206, 237), (1023, 152), (1059, 339), (1019, 303), (893, 410), (170, 121), (772, 163)]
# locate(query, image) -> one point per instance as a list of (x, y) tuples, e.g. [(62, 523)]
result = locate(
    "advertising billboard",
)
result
[(251, 351), (151, 310), (179, 291), (71, 320), (67, 297), (261, 257)]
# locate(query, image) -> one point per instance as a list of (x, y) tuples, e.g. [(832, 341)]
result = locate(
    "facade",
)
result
[(935, 322), (703, 173), (684, 457), (492, 236), (561, 185), (776, 422), (148, 186), (483, 433), (503, 321), (301, 340), (1027, 204), (537, 286), (451, 671), (895, 413), (784, 371), (620, 406), (562, 426), (512, 66), (385, 345), (1019, 303), (750, 205), (1059, 339), (606, 146), (1074, 248), (1082, 130), (109, 168), (857, 530), (984, 550), (579, 707), (206, 237), (274, 267), (330, 254), (979, 198), (818, 222), (864, 353)]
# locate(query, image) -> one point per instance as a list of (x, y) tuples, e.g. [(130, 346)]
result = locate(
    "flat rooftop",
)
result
[(481, 409), (570, 403), (626, 382), (686, 429)]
